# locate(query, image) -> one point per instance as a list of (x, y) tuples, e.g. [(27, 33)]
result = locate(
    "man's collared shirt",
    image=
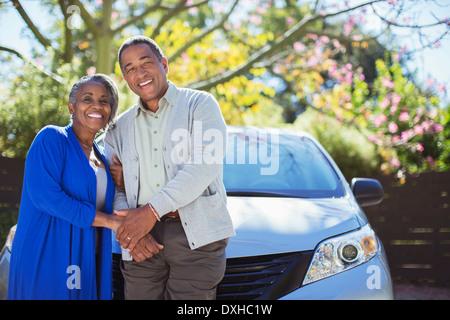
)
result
[(149, 132)]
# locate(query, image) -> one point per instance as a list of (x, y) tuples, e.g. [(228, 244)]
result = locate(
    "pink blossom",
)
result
[(429, 82), (348, 78), (392, 127), (393, 110), (219, 9), (396, 99), (336, 43), (442, 87), (387, 83), (403, 50), (289, 20), (193, 11), (348, 26), (403, 117), (313, 61), (418, 129), (91, 71), (261, 10), (324, 39), (419, 147), (255, 19), (430, 161), (433, 113), (406, 135), (383, 104), (298, 46), (394, 163), (379, 120), (332, 71), (436, 127), (374, 139), (396, 139)]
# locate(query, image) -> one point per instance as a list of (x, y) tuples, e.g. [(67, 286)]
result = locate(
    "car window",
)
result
[(259, 163)]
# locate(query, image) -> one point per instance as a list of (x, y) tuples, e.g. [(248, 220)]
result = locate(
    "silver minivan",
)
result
[(301, 232)]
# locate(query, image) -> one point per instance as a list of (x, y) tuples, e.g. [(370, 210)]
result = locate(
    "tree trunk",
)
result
[(105, 59)]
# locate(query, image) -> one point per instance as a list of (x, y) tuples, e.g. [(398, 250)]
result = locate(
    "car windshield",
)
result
[(259, 163)]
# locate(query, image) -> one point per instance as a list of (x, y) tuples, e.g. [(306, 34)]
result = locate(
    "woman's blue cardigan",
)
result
[(54, 249)]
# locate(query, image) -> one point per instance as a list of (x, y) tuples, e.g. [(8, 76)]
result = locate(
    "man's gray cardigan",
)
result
[(193, 148)]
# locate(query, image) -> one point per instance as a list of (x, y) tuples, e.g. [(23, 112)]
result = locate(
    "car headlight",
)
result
[(10, 237), (341, 253)]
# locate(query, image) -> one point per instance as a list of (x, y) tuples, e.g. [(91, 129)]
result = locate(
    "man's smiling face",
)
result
[(145, 74)]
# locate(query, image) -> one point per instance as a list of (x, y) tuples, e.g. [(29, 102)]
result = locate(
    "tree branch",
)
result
[(68, 51), (268, 49), (203, 34), (88, 19), (42, 40), (41, 69), (171, 13), (149, 9)]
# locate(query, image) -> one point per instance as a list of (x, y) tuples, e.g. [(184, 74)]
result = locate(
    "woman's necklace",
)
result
[(83, 145), (91, 157)]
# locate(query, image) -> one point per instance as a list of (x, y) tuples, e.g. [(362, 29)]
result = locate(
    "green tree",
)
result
[(254, 56)]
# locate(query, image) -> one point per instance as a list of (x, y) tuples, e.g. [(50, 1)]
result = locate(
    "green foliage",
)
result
[(346, 145), (369, 116), (34, 100), (408, 122)]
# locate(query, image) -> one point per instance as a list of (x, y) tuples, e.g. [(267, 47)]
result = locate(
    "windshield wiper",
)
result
[(261, 194)]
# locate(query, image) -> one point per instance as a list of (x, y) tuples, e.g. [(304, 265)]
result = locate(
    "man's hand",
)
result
[(146, 248), (137, 224), (117, 173)]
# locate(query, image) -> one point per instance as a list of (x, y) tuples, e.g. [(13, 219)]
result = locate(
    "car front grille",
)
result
[(256, 277), (263, 277)]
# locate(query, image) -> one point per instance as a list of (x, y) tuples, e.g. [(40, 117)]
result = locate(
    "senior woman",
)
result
[(62, 247)]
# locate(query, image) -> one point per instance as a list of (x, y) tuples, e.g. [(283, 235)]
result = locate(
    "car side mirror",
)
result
[(368, 192)]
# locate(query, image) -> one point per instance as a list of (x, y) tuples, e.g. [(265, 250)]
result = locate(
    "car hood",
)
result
[(267, 225)]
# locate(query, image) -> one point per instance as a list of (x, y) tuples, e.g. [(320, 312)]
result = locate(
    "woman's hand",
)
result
[(117, 174), (138, 222), (110, 221), (146, 248)]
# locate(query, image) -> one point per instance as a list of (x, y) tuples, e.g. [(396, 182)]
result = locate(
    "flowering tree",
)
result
[(249, 54)]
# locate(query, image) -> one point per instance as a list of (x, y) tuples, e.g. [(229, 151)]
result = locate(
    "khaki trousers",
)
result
[(176, 272)]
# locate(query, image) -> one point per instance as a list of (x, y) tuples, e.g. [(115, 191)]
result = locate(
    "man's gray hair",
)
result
[(111, 91), (137, 40)]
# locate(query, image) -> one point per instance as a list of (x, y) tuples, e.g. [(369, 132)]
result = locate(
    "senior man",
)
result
[(171, 146)]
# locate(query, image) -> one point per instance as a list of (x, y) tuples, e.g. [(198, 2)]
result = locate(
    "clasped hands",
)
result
[(133, 233)]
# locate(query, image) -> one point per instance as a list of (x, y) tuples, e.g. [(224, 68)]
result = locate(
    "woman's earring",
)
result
[(71, 116)]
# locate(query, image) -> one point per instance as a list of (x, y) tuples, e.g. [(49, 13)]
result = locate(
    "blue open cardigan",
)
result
[(54, 249)]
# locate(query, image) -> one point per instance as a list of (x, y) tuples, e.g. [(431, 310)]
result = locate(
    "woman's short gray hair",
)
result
[(111, 90)]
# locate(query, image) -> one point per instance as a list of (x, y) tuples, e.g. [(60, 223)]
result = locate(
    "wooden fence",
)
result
[(413, 221), (11, 179)]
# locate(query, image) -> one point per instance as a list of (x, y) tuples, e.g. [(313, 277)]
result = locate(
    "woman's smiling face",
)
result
[(91, 109)]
